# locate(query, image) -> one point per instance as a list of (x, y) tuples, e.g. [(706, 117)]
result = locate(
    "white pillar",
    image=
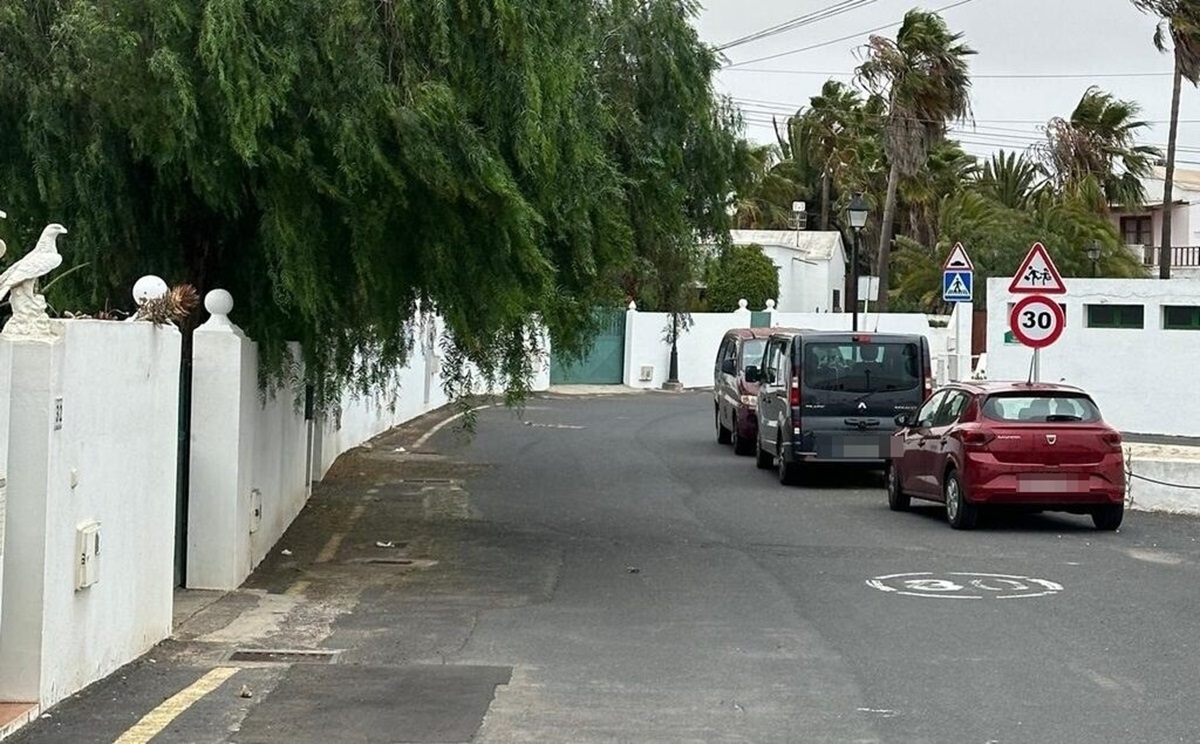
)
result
[(224, 382), (5, 386), (770, 310), (630, 374), (35, 381), (741, 316)]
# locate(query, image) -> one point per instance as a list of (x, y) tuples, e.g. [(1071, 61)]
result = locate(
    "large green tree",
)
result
[(338, 165), (923, 76), (1180, 22)]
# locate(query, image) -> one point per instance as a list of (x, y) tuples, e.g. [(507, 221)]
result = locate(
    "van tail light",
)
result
[(977, 439), (928, 388), (1112, 439), (794, 395)]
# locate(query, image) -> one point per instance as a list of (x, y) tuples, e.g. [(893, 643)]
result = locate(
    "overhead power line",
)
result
[(838, 40), (785, 108), (974, 76), (807, 19)]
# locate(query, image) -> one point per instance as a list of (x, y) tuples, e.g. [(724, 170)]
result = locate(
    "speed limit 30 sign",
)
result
[(1037, 321)]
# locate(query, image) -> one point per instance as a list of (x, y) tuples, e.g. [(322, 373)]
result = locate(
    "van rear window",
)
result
[(1055, 407), (857, 367), (752, 351)]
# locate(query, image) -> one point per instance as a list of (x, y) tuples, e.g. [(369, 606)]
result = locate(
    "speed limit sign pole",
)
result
[(1037, 320)]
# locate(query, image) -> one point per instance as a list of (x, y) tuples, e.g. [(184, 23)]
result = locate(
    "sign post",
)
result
[(958, 285), (1037, 320)]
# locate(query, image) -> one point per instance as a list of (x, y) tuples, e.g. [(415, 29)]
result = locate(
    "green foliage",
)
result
[(997, 237), (744, 272), (338, 166)]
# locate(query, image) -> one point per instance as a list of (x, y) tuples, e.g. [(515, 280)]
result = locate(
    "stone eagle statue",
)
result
[(20, 280)]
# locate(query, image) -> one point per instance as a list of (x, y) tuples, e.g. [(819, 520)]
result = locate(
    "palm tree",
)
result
[(1097, 146), (1180, 19), (946, 169), (923, 75), (823, 129), (764, 200), (1011, 179)]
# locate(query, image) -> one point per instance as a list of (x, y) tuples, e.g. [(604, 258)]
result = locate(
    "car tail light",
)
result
[(794, 395), (977, 438), (1112, 439)]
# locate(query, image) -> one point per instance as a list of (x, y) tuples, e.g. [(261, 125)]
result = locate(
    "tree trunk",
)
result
[(825, 201), (1164, 250), (885, 238)]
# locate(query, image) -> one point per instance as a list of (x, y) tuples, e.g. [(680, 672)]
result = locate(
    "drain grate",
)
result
[(390, 561), (284, 656)]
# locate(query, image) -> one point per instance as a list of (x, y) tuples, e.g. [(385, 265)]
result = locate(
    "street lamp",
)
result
[(856, 211), (1093, 254)]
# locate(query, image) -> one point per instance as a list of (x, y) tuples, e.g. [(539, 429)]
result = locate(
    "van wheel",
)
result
[(764, 459), (961, 513), (1108, 518), (897, 499), (723, 433), (789, 472), (741, 446)]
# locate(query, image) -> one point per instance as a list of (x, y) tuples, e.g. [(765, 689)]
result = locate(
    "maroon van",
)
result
[(735, 398)]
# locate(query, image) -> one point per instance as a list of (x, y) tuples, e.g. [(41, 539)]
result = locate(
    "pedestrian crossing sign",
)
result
[(957, 286)]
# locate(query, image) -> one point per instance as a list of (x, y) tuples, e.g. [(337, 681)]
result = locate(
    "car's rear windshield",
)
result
[(861, 367), (752, 351), (1041, 408)]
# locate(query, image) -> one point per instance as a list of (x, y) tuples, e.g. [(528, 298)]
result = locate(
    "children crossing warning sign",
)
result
[(1038, 274)]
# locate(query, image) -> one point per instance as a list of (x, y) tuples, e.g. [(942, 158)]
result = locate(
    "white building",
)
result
[(812, 267), (1142, 230)]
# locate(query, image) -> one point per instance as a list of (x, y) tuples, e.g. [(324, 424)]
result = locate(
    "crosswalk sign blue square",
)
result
[(957, 286)]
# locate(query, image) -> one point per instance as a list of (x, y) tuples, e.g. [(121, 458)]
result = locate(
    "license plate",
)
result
[(1050, 483), (860, 448)]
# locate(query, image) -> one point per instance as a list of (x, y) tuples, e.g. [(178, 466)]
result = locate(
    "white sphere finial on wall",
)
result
[(149, 287), (742, 304), (219, 305), (770, 304)]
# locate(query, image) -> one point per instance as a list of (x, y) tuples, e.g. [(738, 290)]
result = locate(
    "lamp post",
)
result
[(856, 211), (673, 382), (1093, 254)]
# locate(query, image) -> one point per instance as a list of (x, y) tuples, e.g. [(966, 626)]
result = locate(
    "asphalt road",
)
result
[(604, 571)]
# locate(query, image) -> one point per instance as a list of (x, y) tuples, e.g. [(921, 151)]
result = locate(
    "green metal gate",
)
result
[(760, 319), (603, 364)]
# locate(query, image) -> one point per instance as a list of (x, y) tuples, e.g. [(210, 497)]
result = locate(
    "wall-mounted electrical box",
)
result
[(87, 555), (646, 374), (255, 510)]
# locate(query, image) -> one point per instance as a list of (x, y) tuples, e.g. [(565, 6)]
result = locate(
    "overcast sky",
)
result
[(1043, 53)]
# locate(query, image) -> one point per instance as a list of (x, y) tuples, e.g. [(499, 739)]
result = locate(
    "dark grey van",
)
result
[(833, 396)]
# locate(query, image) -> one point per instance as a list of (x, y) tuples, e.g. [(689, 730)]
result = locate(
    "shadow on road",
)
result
[(999, 519)]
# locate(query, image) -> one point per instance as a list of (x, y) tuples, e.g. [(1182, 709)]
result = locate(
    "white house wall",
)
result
[(1143, 379)]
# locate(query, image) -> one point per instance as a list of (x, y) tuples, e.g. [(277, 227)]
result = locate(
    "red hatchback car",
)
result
[(1039, 446)]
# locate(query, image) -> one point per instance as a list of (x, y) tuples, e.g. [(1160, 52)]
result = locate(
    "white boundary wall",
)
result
[(646, 345), (111, 461)]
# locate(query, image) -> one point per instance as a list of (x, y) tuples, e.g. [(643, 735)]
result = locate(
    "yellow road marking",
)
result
[(159, 718), (335, 540), (295, 590)]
